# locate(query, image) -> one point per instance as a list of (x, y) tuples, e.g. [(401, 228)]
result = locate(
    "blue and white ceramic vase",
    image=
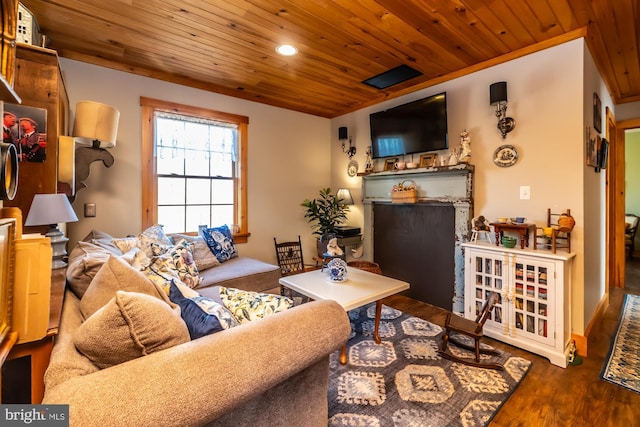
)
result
[(337, 270)]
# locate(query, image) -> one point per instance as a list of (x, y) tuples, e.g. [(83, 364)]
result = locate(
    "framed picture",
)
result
[(390, 164), (26, 128), (427, 160), (603, 154), (592, 148), (597, 113)]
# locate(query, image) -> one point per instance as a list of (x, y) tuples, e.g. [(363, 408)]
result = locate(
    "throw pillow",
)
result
[(116, 275), (84, 262), (220, 241), (125, 244), (203, 256), (96, 234), (175, 264), (210, 305), (153, 241), (247, 306), (129, 326), (198, 322)]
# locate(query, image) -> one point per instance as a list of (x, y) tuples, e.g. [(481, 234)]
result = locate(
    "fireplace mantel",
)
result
[(451, 185)]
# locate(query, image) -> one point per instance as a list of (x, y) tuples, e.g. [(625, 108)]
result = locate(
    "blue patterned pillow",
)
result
[(198, 321), (220, 241)]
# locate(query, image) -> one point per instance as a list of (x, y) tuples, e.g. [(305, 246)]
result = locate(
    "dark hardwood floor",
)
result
[(553, 396)]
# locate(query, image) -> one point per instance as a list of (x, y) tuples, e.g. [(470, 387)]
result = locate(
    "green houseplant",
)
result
[(326, 212)]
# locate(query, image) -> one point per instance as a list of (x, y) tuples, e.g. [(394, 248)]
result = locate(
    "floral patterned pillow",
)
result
[(220, 241), (247, 306), (176, 263), (153, 241)]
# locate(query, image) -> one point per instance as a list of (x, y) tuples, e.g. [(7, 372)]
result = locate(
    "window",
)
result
[(194, 168)]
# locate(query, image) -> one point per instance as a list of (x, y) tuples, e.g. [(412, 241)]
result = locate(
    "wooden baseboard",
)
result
[(582, 340)]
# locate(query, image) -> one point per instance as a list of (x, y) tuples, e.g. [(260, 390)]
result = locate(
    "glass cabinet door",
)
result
[(489, 276), (531, 300)]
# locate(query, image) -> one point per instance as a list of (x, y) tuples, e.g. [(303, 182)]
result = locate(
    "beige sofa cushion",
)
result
[(116, 275), (84, 262), (129, 326)]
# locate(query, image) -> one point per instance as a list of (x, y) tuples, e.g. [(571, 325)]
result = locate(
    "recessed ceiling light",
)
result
[(286, 50)]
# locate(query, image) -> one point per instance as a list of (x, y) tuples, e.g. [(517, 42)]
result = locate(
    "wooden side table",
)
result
[(523, 229), (39, 351)]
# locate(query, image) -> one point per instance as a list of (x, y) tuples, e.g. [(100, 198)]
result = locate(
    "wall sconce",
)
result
[(51, 209), (94, 129), (343, 136), (344, 195), (498, 97)]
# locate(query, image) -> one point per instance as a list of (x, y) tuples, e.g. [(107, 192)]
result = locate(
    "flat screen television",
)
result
[(416, 127)]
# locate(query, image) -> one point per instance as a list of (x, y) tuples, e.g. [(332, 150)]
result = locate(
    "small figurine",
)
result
[(480, 223), (368, 166), (572, 351), (465, 147), (333, 249), (453, 157)]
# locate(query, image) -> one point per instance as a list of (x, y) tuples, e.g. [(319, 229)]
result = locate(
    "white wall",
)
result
[(628, 111), (595, 203), (545, 92), (289, 158)]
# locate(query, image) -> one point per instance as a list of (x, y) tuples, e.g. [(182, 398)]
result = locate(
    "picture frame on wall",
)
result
[(427, 160), (597, 113), (603, 154), (390, 164), (26, 128), (591, 147)]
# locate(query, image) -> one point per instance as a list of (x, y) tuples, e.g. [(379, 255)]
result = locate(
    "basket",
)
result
[(566, 222), (404, 194), (371, 267)]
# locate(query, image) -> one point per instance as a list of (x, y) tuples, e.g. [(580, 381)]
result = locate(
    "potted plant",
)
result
[(325, 214)]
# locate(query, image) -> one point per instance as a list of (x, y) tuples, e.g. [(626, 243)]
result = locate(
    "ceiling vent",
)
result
[(392, 77)]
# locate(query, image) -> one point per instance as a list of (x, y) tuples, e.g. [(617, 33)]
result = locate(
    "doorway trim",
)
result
[(616, 200)]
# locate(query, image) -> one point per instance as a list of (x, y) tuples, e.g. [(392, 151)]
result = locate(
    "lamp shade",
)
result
[(498, 93), (48, 209), (345, 195), (95, 124)]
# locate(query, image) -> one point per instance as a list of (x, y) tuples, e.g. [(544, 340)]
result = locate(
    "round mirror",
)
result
[(9, 172)]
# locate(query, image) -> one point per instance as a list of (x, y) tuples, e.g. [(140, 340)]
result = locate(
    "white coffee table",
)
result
[(360, 288)]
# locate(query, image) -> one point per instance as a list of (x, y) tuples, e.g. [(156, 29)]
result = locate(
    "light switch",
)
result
[(89, 210), (525, 192)]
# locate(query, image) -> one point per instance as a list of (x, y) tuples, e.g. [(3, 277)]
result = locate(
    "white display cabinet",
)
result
[(534, 308)]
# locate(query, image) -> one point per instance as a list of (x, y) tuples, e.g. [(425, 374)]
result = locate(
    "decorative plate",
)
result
[(505, 156), (352, 168)]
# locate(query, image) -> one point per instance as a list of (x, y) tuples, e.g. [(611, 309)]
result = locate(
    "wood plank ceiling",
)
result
[(229, 46)]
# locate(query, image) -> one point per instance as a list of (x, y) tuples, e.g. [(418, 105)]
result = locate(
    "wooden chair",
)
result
[(473, 330), (631, 226), (290, 259), (560, 237)]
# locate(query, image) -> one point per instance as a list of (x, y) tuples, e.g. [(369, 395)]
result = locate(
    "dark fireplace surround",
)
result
[(421, 243)]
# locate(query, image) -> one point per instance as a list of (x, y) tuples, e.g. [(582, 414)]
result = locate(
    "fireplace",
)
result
[(420, 243)]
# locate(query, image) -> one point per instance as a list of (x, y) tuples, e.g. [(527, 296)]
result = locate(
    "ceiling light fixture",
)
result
[(286, 50)]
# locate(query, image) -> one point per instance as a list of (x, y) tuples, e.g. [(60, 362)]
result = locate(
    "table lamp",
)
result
[(52, 209)]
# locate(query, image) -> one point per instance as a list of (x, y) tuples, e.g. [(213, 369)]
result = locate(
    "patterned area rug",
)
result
[(622, 366), (404, 382)]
